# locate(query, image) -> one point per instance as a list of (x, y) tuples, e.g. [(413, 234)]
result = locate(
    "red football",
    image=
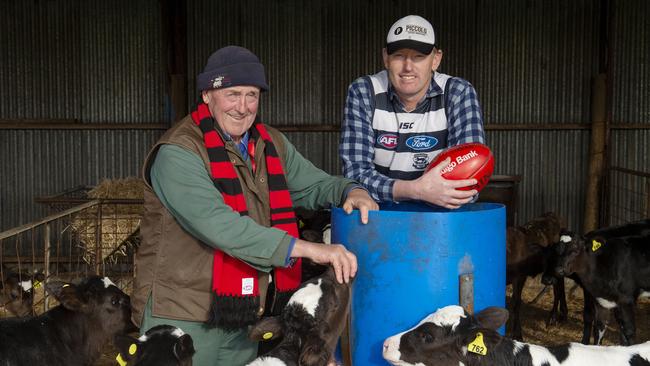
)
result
[(470, 160)]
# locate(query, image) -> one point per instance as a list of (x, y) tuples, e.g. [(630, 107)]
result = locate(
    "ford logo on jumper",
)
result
[(421, 142)]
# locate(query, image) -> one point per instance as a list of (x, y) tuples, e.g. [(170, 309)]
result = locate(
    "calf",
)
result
[(309, 325), (450, 336), (594, 316), (614, 271), (17, 293), (528, 248), (73, 333), (162, 345)]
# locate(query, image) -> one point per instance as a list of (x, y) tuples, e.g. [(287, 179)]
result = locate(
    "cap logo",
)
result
[(216, 82), (411, 28), (398, 30)]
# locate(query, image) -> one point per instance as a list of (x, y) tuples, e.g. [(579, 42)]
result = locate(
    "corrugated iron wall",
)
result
[(93, 61), (629, 195), (631, 80), (88, 61), (531, 62)]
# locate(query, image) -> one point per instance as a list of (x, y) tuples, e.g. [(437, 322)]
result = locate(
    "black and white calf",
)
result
[(162, 345), (309, 325), (450, 336), (74, 332), (613, 270)]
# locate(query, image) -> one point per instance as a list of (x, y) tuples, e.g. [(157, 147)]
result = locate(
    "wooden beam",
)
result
[(47, 125)]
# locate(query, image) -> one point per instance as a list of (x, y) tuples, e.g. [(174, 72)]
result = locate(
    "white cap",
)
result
[(412, 32)]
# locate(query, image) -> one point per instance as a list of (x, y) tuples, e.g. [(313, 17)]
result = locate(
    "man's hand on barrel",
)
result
[(359, 198), (342, 260)]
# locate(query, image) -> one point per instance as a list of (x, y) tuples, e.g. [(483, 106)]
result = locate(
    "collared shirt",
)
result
[(242, 145), (465, 124)]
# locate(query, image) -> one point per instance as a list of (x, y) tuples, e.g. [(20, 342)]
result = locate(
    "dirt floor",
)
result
[(534, 317)]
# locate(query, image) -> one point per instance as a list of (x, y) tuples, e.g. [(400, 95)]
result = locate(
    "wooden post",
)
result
[(596, 152)]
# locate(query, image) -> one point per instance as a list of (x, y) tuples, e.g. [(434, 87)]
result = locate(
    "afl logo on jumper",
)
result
[(387, 140), (421, 142)]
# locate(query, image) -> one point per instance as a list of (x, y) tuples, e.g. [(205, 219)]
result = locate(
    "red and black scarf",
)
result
[(235, 283)]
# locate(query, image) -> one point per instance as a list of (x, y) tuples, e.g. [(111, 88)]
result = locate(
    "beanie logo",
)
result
[(398, 30), (216, 82), (411, 28)]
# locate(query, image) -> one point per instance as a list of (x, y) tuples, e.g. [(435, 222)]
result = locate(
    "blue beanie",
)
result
[(232, 66)]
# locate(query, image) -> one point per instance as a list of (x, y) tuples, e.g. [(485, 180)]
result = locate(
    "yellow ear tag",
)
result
[(301, 224), (132, 349), (37, 284), (66, 285), (120, 360), (267, 335), (477, 346), (595, 245)]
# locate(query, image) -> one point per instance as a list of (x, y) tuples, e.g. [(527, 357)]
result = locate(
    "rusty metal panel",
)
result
[(531, 61), (91, 61), (631, 62), (553, 166), (45, 162), (630, 149), (321, 148)]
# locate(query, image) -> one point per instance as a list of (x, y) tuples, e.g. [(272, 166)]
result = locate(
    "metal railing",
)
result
[(627, 196), (96, 237)]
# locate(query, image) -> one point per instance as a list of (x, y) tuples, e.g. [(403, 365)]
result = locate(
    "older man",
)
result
[(398, 120), (219, 198)]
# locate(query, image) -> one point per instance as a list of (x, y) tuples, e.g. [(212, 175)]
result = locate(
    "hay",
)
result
[(118, 222)]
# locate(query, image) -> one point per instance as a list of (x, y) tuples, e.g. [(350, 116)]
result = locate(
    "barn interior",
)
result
[(87, 87)]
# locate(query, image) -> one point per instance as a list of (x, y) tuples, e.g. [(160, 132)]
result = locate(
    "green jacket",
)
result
[(186, 217)]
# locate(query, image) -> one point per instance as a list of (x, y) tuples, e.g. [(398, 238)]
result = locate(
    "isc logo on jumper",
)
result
[(421, 142), (387, 140)]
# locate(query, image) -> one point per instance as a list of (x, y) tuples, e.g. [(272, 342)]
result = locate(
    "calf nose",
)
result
[(560, 271), (385, 345)]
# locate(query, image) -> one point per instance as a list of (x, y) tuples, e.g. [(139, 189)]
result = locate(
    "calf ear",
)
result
[(184, 347), (39, 276), (492, 317), (129, 349), (66, 294), (266, 329)]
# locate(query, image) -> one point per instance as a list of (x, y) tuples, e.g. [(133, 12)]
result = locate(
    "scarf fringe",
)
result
[(233, 312)]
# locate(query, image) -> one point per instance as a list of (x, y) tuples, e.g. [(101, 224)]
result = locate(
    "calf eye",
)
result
[(115, 301), (426, 338)]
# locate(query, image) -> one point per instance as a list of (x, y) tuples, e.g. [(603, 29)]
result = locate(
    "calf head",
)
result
[(162, 345), (17, 293), (445, 337), (562, 259), (544, 230), (98, 300), (309, 325)]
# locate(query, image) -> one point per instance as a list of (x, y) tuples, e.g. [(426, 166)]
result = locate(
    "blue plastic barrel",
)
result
[(410, 258)]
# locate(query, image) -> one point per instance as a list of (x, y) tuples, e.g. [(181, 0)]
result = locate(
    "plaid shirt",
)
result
[(464, 120)]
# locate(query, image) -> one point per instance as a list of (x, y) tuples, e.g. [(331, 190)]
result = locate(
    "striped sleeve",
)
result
[(357, 139)]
